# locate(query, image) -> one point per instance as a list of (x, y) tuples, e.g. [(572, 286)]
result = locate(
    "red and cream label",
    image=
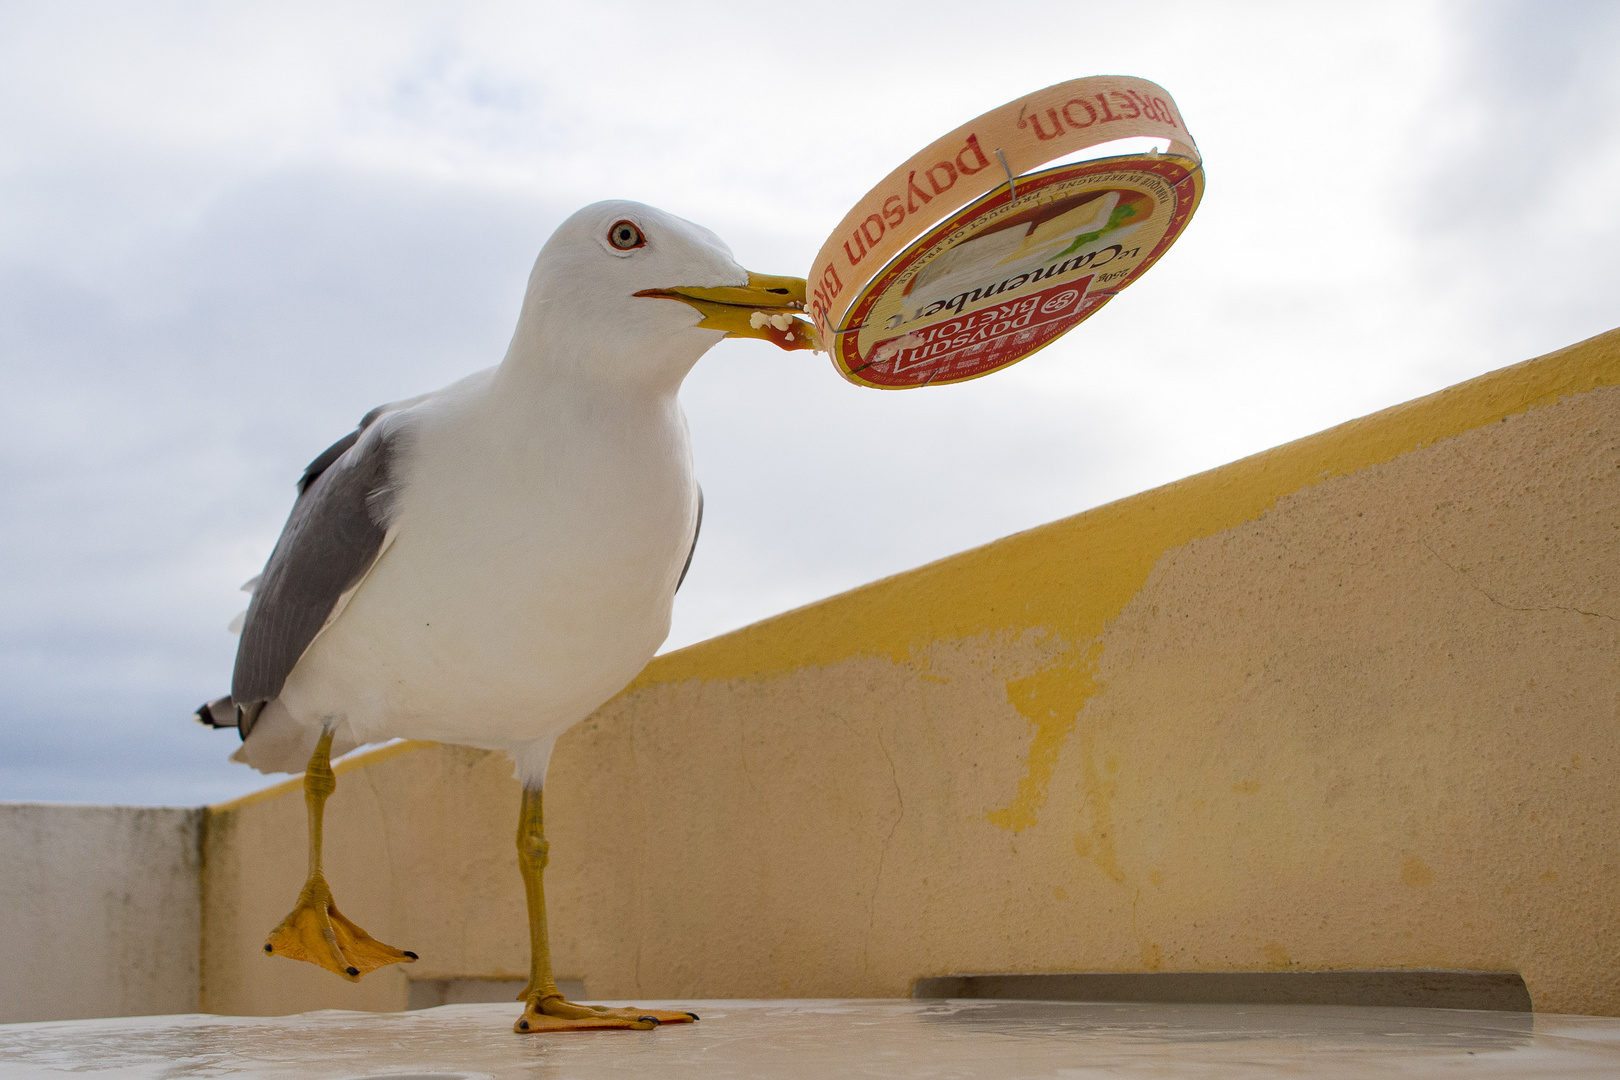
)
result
[(979, 343), (1004, 276), (970, 256)]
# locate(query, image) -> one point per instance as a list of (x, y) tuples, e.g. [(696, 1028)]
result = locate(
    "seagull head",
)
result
[(625, 289)]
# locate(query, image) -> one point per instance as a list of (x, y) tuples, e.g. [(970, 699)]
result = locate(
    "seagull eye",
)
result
[(625, 236)]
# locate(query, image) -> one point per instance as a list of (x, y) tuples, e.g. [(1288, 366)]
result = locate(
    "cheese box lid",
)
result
[(986, 245)]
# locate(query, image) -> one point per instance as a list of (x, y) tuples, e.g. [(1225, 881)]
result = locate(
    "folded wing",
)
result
[(336, 531)]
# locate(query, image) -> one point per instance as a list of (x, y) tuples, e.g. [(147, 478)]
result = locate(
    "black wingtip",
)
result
[(219, 713)]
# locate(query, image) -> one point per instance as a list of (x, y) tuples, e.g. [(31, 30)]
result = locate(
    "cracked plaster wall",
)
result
[(1352, 703)]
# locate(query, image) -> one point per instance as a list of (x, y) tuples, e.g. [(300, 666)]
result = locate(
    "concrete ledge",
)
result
[(893, 1039)]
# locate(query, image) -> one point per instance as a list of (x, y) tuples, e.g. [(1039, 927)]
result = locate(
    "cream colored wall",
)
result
[(99, 909), (1349, 703), (419, 851)]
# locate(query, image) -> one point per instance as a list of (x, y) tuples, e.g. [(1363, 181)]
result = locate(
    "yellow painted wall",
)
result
[(1350, 703)]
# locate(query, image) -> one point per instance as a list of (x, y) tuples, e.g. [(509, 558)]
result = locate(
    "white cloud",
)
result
[(226, 231)]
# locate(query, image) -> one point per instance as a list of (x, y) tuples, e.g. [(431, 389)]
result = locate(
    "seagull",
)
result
[(488, 563)]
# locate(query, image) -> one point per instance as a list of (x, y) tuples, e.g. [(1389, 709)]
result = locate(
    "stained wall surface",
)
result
[(99, 911), (1350, 703)]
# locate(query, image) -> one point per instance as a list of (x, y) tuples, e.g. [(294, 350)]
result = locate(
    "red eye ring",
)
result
[(624, 236)]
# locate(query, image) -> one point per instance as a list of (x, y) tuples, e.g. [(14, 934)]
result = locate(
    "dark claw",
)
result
[(524, 1024), (412, 955), (654, 1019), (352, 970), (694, 1016), (268, 947)]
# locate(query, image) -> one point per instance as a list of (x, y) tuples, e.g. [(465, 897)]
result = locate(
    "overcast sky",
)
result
[(227, 230)]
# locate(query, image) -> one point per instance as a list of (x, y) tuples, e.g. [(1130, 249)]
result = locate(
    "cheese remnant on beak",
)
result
[(778, 321)]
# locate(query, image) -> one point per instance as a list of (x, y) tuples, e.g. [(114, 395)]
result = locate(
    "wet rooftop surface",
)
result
[(936, 1040)]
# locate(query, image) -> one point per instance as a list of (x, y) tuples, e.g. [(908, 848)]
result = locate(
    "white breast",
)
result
[(535, 553)]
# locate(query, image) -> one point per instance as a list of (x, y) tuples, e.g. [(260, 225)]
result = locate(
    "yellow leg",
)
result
[(545, 1009), (315, 930)]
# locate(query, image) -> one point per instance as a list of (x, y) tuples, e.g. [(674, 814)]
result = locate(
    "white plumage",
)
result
[(537, 519)]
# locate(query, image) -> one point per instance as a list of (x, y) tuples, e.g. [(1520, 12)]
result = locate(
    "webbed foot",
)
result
[(318, 932), (553, 1013)]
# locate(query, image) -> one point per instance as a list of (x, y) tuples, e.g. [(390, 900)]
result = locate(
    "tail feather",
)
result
[(277, 743), (272, 741)]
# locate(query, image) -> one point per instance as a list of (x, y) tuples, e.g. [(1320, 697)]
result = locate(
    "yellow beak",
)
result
[(764, 308)]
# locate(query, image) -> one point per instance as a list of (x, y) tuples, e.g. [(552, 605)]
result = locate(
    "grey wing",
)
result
[(333, 535), (696, 529)]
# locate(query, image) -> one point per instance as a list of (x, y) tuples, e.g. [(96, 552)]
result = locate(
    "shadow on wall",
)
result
[(1498, 991)]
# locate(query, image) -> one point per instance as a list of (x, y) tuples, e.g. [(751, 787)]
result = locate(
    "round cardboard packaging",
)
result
[(1008, 274), (979, 250)]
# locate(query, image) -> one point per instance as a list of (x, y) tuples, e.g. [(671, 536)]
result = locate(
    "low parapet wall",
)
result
[(1347, 704), (99, 911)]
